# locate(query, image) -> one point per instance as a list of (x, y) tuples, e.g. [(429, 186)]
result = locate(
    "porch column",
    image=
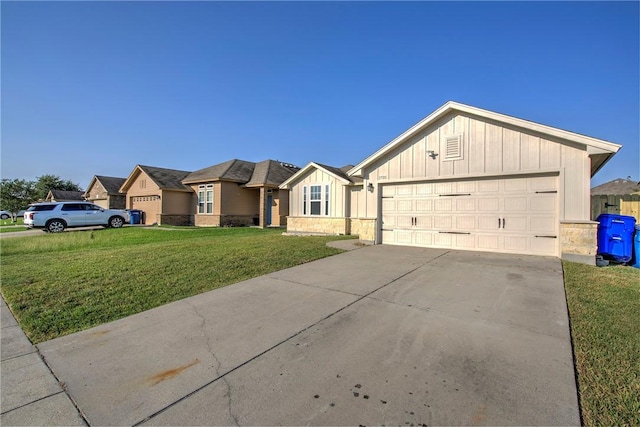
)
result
[(263, 207)]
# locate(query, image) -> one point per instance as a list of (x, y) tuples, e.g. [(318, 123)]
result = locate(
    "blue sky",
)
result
[(94, 88)]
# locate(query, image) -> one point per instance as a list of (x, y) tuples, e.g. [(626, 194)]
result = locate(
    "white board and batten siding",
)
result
[(337, 193), (531, 181)]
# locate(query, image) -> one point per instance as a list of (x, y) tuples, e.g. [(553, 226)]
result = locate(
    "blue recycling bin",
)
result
[(135, 216), (636, 248), (615, 237)]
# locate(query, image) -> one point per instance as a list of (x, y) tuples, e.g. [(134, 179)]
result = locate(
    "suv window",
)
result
[(73, 207), (39, 208)]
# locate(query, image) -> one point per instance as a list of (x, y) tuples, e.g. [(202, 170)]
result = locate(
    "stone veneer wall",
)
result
[(578, 241), (317, 224), (176, 219), (225, 220), (365, 228)]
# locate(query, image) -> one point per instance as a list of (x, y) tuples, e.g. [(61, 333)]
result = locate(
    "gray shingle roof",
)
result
[(111, 184), (61, 195), (341, 172), (265, 173), (271, 173), (618, 186), (231, 170), (166, 179)]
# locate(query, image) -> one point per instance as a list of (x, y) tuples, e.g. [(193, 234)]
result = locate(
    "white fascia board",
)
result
[(287, 184), (593, 145)]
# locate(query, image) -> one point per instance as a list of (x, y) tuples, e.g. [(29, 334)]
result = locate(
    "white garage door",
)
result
[(513, 215)]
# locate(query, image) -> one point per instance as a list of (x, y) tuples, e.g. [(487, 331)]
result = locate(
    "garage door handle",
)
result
[(452, 232), (503, 222), (549, 237)]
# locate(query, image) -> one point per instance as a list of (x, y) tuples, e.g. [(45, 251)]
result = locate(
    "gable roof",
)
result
[(599, 150), (231, 170), (270, 173), (339, 173), (111, 184), (165, 179), (619, 186), (265, 173), (62, 195)]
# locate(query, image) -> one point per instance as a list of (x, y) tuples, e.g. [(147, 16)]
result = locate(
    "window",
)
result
[(304, 200), (72, 207), (317, 202), (453, 147), (205, 199), (326, 200), (210, 198)]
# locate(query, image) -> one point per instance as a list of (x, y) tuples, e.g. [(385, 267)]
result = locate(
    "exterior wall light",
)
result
[(432, 154), (370, 187)]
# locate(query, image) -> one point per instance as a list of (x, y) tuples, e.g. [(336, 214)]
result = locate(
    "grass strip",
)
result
[(604, 307)]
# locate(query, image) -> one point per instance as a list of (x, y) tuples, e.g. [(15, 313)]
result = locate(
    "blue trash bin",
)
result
[(134, 216), (615, 237), (636, 248)]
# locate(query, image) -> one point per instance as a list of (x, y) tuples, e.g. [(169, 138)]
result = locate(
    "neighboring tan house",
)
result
[(105, 191), (619, 196), (160, 195), (64, 196), (467, 178), (239, 192)]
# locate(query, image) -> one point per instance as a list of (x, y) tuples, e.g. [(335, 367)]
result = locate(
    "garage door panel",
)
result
[(516, 204), (466, 204), (424, 238), (516, 243), (489, 204), (515, 223), (542, 245), (442, 205), (502, 215), (542, 224), (544, 204), (388, 190), (466, 222), (424, 205)]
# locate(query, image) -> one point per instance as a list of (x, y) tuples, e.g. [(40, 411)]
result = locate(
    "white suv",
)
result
[(56, 216)]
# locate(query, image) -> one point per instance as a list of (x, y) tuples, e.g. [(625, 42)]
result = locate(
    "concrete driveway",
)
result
[(379, 335)]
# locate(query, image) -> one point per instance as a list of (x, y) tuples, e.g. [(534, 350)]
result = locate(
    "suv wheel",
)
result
[(4, 216), (55, 226), (116, 222)]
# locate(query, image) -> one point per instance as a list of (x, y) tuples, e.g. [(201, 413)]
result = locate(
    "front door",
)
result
[(269, 204)]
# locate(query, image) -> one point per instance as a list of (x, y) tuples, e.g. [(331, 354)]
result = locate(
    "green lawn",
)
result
[(8, 226), (604, 307), (57, 284)]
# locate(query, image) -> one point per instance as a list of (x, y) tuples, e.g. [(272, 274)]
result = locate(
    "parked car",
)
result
[(54, 217), (5, 215)]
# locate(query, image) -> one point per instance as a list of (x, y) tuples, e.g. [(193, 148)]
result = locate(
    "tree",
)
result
[(16, 194), (46, 183)]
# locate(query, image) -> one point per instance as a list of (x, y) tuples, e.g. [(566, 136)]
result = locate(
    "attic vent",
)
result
[(453, 147)]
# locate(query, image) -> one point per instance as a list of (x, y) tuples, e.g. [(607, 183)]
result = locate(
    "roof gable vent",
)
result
[(453, 147)]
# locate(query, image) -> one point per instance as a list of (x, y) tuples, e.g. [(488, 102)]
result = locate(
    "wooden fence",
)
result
[(628, 204)]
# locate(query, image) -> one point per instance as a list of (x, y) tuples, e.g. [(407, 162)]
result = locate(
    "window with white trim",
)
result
[(453, 147), (205, 199), (315, 199)]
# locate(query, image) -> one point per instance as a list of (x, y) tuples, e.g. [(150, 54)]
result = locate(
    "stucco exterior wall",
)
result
[(488, 149), (578, 241), (317, 224)]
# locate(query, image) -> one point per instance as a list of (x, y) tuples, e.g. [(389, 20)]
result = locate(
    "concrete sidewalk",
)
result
[(378, 335), (30, 394)]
